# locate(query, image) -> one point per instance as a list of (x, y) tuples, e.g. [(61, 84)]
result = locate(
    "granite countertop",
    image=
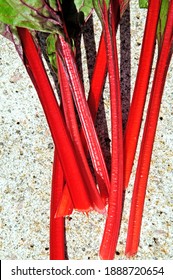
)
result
[(26, 155)]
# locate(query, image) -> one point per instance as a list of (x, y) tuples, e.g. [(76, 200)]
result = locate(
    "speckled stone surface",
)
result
[(26, 155)]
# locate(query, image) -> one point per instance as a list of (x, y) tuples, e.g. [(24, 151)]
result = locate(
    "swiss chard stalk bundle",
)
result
[(76, 185)]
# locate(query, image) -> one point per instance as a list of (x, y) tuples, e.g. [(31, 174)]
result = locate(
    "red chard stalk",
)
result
[(141, 86), (143, 166), (112, 226)]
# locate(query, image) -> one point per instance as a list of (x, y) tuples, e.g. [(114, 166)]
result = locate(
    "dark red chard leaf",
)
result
[(144, 160)]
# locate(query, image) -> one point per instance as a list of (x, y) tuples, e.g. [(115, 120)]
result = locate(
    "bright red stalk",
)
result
[(96, 85), (98, 79), (140, 91), (56, 123), (99, 76), (72, 125), (99, 72), (138, 198), (96, 88), (112, 227), (57, 226), (85, 118)]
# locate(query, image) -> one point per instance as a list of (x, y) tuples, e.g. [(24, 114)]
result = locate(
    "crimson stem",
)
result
[(57, 225), (85, 116), (138, 198), (56, 122), (140, 91), (70, 117), (100, 69), (112, 226)]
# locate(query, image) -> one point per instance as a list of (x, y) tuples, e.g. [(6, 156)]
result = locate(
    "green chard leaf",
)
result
[(162, 21), (53, 4), (143, 4), (51, 50), (42, 15), (162, 18), (32, 14), (85, 7)]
